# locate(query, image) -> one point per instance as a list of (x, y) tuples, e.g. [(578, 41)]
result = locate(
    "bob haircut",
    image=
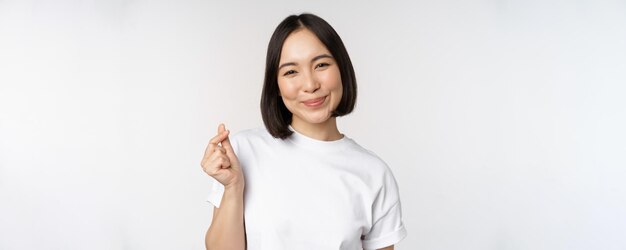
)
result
[(276, 116)]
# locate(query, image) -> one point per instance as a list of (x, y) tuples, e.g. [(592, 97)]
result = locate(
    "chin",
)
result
[(318, 119)]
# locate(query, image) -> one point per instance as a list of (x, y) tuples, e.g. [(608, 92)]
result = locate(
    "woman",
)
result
[(304, 184)]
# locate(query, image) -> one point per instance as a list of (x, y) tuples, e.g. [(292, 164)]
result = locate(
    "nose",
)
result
[(311, 83)]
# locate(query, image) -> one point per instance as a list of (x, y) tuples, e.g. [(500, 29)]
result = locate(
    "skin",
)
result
[(307, 71)]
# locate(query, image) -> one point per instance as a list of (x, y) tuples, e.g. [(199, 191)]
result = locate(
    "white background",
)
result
[(503, 121)]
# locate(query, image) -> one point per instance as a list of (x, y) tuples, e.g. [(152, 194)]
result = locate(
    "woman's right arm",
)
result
[(227, 228), (220, 162)]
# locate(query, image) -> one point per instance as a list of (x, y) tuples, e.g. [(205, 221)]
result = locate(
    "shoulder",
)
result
[(365, 154), (378, 175), (251, 133), (252, 136), (366, 157)]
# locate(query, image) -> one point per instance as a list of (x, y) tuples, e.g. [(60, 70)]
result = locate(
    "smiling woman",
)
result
[(300, 50), (299, 182)]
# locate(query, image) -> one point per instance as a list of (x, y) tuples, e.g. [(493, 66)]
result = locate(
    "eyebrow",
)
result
[(312, 60)]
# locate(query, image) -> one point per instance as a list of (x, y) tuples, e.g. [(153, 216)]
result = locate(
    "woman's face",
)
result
[(308, 78)]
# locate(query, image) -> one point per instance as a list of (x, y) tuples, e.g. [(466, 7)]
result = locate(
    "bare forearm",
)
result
[(227, 228)]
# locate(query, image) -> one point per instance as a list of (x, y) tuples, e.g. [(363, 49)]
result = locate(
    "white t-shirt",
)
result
[(303, 193)]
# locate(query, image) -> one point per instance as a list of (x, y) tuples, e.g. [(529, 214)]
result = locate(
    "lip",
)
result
[(315, 102)]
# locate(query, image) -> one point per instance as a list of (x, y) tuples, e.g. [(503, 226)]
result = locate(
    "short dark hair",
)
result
[(276, 116)]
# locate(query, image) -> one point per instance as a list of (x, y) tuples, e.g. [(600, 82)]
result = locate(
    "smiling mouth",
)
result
[(315, 102)]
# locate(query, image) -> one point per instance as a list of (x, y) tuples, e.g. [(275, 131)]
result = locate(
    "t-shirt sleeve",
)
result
[(216, 192), (387, 227)]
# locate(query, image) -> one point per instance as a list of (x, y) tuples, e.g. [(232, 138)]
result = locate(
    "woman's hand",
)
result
[(220, 161)]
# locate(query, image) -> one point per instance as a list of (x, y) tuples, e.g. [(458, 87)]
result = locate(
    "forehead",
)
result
[(302, 45)]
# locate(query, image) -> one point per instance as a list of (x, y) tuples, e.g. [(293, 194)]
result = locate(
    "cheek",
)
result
[(287, 90), (332, 79)]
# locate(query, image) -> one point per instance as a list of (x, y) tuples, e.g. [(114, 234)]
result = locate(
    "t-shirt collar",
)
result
[(303, 140)]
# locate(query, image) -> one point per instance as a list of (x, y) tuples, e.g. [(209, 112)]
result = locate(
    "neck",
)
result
[(326, 131)]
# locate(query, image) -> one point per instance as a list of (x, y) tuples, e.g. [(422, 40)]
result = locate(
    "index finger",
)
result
[(221, 128)]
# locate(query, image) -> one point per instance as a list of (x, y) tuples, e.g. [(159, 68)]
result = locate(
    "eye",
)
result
[(319, 65), (289, 72)]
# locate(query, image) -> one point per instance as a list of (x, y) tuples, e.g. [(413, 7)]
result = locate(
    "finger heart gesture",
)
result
[(220, 161)]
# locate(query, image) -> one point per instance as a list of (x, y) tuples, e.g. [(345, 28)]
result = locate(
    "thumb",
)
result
[(230, 152), (226, 144)]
